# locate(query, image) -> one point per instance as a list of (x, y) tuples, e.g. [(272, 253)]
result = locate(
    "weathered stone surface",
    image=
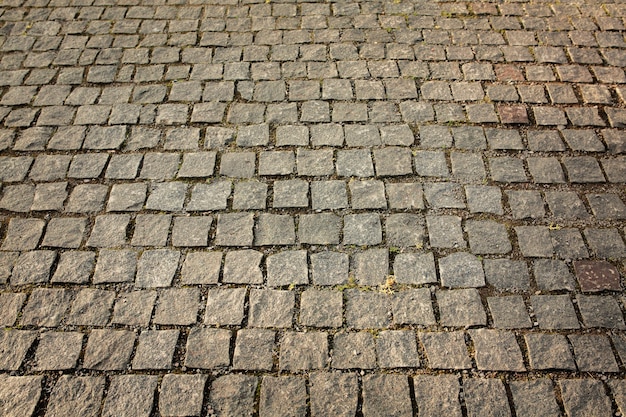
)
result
[(437, 395), (81, 395), (386, 395), (282, 396), (19, 395), (233, 395), (182, 395), (130, 395)]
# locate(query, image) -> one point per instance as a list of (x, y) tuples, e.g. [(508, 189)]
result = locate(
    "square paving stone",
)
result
[(155, 349), (277, 163), (233, 394), (130, 395), (87, 198), (509, 312), (191, 231), (115, 266), (79, 395), (461, 269), (605, 243), (566, 205), (254, 350), (584, 397), (87, 165), (486, 397), (197, 165), (329, 195), (594, 276), (33, 267), (413, 306), (283, 396), (274, 229), (333, 394), (366, 310), (362, 229), (127, 197), (159, 166), (49, 167), (431, 164), (405, 230), (151, 229), (329, 268), (46, 307), (446, 350), (234, 229), (397, 349), (549, 351), (109, 231), (497, 350), (182, 395), (467, 166), (64, 232), (367, 194), (353, 351), (600, 311), (48, 196), (507, 169), (315, 162), (405, 195), (292, 135), (445, 231), (177, 306), (583, 169), (568, 243), (393, 161), (18, 198), (208, 348), (91, 307), (607, 206), (355, 163), (487, 237), (123, 167), (461, 308), (319, 229), (414, 268), (10, 306), (551, 275), (14, 345), (444, 195), (534, 398), (291, 193), (250, 195), (525, 204), (545, 170), (243, 267), (167, 196), (593, 353), (505, 274), (534, 241), (370, 267), (386, 395), (554, 312), (321, 308), (271, 308), (437, 395), (212, 196), (58, 351), (287, 268), (238, 164), (19, 395), (225, 306), (201, 268), (109, 350), (303, 351), (134, 308), (23, 234), (156, 268)]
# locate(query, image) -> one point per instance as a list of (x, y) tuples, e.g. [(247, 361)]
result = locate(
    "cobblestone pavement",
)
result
[(232, 207)]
